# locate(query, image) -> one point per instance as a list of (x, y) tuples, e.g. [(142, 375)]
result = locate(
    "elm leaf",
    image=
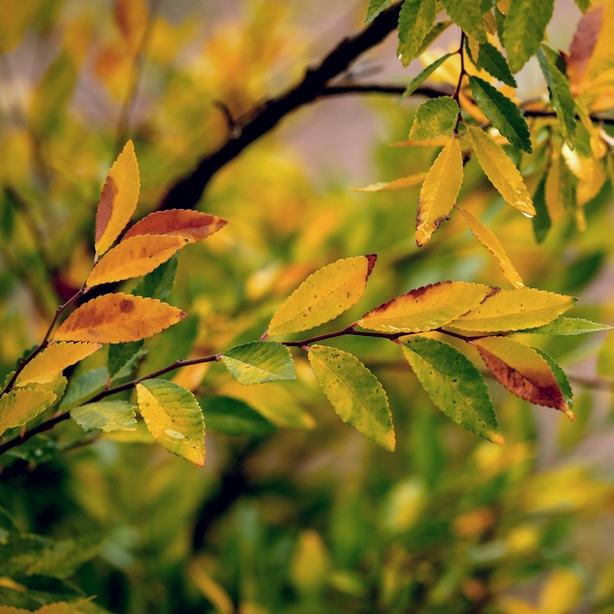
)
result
[(258, 362)]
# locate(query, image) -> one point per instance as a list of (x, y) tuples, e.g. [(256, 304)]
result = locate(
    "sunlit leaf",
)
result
[(521, 370), (20, 405), (434, 117), (118, 318), (134, 257), (354, 392), (494, 62), (258, 362), (525, 23), (118, 200), (570, 326), (107, 416), (192, 225), (490, 241), (425, 308), (415, 21), (375, 8), (395, 184), (505, 116), (468, 16), (515, 310), (324, 295), (500, 170), (454, 384), (417, 81), (234, 417), (439, 191), (47, 365), (173, 417)]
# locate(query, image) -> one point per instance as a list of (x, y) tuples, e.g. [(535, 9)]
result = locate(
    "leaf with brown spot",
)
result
[(522, 371), (118, 318), (193, 225), (118, 200)]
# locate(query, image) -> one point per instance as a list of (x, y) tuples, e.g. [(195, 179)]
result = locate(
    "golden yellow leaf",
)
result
[(563, 591), (440, 141), (20, 405), (118, 318), (439, 191), (489, 240), (47, 365), (425, 308), (118, 200), (192, 225), (134, 257), (501, 171), (395, 184)]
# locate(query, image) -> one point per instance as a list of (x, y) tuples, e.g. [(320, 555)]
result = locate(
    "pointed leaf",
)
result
[(569, 326), (47, 365), (439, 191), (118, 200), (173, 417), (415, 21), (521, 370), (123, 358), (395, 184), (20, 405), (259, 361), (159, 282), (192, 225), (134, 257), (454, 384), (490, 241), (563, 382), (375, 8), (434, 117), (425, 308), (234, 417), (501, 171), (525, 24), (494, 62), (118, 318), (417, 81), (108, 416), (517, 309), (467, 15), (84, 387), (324, 295), (504, 115), (354, 392)]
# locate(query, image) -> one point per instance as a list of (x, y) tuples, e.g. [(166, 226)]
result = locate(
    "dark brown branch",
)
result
[(188, 190)]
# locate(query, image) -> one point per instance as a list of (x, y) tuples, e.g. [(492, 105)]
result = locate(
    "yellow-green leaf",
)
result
[(134, 257), (20, 405), (434, 117), (415, 21), (108, 416), (324, 295), (118, 200), (439, 191), (118, 318), (468, 16), (425, 308), (354, 392), (395, 184), (259, 361), (501, 171), (490, 241), (47, 365), (517, 309), (193, 225), (173, 417)]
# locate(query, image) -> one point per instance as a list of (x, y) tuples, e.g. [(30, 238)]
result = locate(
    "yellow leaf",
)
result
[(324, 295), (439, 191), (131, 17), (134, 257), (20, 405), (118, 200), (402, 182), (440, 141), (425, 308), (501, 171), (515, 309), (118, 318), (47, 365), (489, 240), (191, 225), (562, 592)]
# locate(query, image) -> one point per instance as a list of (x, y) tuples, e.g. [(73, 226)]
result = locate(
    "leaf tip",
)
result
[(569, 412), (497, 438)]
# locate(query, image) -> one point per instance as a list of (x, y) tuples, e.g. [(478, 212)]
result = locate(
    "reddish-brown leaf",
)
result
[(584, 41), (193, 225)]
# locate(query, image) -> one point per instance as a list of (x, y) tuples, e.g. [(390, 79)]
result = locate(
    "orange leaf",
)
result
[(522, 371), (118, 200), (192, 225), (118, 318), (131, 17), (134, 257)]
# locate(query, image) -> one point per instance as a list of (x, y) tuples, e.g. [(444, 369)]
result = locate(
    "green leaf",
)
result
[(355, 393), (467, 15), (525, 24), (173, 417), (415, 21), (505, 116), (21, 405), (583, 5), (417, 81), (560, 93), (259, 361), (454, 384), (159, 282), (434, 117), (83, 387), (569, 326), (38, 449), (562, 380), (494, 62), (232, 416), (375, 8), (107, 416), (434, 32), (541, 220), (123, 358)]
